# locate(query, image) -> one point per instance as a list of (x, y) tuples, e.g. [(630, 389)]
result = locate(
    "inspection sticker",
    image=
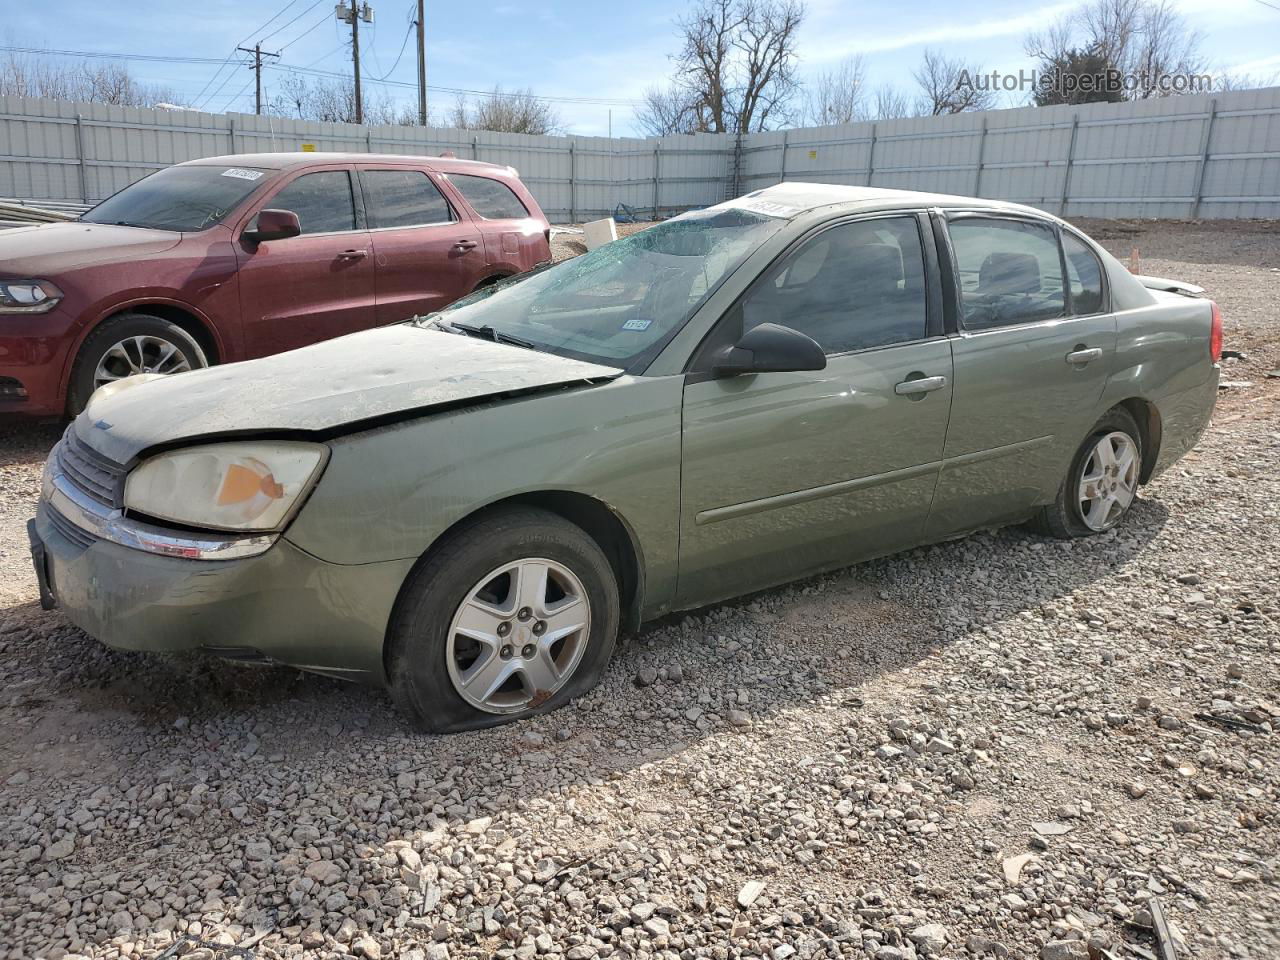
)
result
[(242, 174), (637, 323)]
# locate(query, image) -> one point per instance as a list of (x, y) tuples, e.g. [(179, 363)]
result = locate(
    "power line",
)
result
[(455, 90), (398, 56), (323, 20), (309, 70), (295, 19), (111, 56), (217, 73), (244, 61)]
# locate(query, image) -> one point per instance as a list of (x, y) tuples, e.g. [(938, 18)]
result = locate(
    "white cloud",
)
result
[(826, 44)]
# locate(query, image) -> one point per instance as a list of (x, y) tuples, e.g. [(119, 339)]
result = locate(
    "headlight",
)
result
[(28, 296), (226, 486)]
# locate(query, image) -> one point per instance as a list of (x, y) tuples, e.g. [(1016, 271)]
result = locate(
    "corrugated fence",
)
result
[(1195, 156)]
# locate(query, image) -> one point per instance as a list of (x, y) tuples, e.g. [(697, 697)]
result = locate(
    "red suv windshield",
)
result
[(179, 198)]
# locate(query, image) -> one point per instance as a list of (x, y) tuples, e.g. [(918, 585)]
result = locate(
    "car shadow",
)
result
[(966, 584)]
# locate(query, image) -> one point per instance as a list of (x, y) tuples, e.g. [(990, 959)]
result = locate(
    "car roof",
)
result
[(796, 197), (289, 161)]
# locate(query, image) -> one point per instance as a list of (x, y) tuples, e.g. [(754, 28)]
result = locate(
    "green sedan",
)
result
[(469, 507)]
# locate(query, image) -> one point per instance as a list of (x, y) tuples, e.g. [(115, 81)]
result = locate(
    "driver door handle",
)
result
[(353, 254), (1084, 355), (465, 245), (909, 388)]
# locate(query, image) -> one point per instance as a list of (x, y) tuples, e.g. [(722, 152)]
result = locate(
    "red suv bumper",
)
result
[(33, 355)]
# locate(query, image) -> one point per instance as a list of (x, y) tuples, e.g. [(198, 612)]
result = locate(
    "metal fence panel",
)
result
[(1206, 155)]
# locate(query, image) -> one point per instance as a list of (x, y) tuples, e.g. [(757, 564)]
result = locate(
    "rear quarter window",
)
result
[(491, 199)]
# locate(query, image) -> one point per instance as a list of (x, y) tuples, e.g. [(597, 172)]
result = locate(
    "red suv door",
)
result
[(515, 240), (427, 254), (313, 286)]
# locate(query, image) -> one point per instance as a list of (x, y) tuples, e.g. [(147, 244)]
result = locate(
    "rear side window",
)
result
[(852, 287), (492, 199), (1010, 272), (321, 200), (402, 198), (1084, 276)]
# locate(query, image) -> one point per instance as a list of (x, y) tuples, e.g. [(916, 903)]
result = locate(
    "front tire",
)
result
[(513, 615), (126, 345), (1102, 482)]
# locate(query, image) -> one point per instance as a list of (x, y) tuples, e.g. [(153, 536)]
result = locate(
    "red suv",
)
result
[(231, 258)]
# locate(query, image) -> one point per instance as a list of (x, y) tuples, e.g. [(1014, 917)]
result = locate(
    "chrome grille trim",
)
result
[(92, 473)]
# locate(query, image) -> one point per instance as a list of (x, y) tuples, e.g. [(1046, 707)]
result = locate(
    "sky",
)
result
[(581, 49)]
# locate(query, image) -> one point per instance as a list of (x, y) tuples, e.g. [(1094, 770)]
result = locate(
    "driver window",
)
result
[(852, 287), (321, 200)]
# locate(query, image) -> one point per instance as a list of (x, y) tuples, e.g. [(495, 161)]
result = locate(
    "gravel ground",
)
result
[(1003, 746)]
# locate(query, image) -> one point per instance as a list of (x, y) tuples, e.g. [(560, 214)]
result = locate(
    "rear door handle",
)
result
[(465, 245), (1084, 355), (353, 254), (909, 388)]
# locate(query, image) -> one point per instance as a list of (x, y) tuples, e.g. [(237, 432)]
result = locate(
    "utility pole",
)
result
[(422, 63), (256, 66), (353, 15)]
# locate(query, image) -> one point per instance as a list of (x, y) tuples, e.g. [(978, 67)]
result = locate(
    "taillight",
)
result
[(1215, 334)]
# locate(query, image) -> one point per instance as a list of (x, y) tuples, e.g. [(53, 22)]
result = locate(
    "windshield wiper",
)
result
[(489, 333)]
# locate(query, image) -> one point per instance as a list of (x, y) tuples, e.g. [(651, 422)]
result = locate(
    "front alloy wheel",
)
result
[(513, 613), (518, 636)]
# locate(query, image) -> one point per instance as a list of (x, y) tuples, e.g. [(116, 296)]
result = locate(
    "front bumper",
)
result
[(33, 354), (282, 605)]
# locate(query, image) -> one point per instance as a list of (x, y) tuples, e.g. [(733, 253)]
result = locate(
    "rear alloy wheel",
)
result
[(513, 614), (128, 345), (1102, 482), (1109, 481)]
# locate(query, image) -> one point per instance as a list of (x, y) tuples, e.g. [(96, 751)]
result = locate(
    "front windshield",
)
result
[(621, 302), (179, 198)]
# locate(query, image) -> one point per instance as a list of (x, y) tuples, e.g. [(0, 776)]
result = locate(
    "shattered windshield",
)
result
[(621, 302), (180, 198)]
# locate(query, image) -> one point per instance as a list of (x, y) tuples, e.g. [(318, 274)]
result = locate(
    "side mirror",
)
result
[(275, 225), (769, 348)]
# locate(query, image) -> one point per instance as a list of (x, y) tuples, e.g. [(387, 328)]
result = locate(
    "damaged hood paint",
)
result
[(325, 388)]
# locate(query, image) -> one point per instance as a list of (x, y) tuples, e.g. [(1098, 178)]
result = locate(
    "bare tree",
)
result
[(667, 111), (1143, 42), (1245, 81), (950, 86), (516, 112), (332, 101), (29, 75), (889, 103), (838, 95), (735, 72)]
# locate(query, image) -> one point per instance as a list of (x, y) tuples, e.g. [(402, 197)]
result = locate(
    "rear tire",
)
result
[(126, 344), (469, 647), (1101, 483)]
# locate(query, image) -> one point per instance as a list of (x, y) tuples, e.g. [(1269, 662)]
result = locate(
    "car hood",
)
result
[(45, 250), (354, 381)]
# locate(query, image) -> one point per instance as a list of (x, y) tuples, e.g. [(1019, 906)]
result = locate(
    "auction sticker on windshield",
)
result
[(241, 174), (769, 208)]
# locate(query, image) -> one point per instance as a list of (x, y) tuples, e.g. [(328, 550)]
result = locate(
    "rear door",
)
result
[(513, 237), (427, 253), (314, 286), (787, 473), (1032, 356)]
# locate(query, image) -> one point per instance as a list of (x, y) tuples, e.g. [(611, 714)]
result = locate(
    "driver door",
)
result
[(785, 474), (314, 286)]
